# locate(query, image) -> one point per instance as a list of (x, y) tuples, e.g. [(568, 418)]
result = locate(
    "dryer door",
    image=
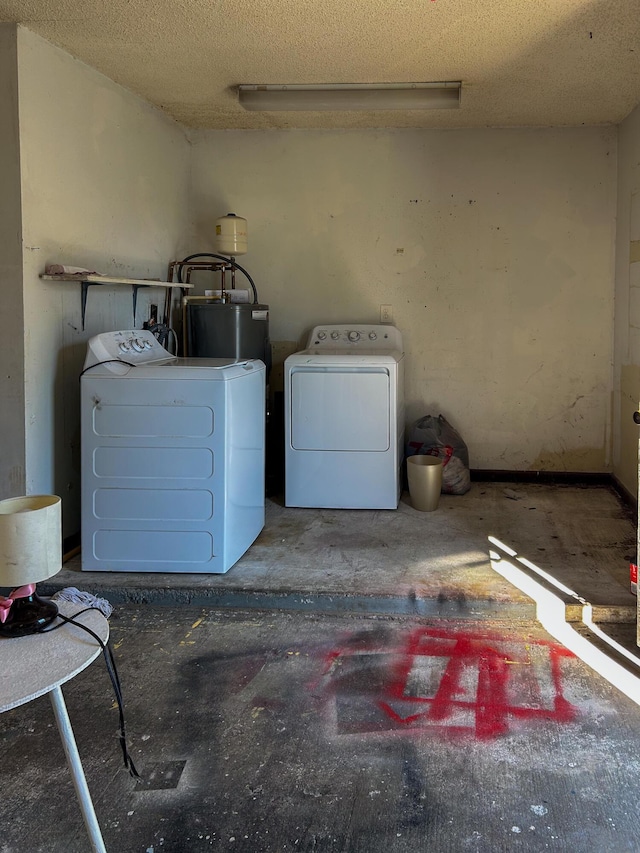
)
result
[(340, 408)]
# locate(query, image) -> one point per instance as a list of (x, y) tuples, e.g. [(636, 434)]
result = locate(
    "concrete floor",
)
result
[(264, 732), (406, 561), (359, 681)]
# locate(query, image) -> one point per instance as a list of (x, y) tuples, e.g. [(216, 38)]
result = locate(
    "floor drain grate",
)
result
[(161, 776)]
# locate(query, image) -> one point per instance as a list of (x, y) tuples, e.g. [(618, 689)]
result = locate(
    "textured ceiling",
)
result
[(521, 62)]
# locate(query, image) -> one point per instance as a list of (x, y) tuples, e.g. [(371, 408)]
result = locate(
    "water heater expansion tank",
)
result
[(231, 235)]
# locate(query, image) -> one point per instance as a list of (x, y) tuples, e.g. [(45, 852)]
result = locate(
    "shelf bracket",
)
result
[(85, 290), (94, 278), (135, 288), (83, 296)]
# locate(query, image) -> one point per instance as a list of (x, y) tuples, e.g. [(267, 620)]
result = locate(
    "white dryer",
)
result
[(173, 454), (344, 418)]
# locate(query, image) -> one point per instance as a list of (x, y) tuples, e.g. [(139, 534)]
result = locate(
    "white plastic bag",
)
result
[(436, 437)]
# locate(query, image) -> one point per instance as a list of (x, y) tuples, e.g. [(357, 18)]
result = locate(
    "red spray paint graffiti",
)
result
[(458, 682)]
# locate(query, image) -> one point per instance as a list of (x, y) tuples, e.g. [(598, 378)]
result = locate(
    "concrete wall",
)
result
[(494, 248), (627, 319), (12, 470), (104, 185)]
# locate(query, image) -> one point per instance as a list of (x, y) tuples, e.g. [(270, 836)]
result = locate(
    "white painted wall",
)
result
[(494, 247), (627, 319), (12, 473), (104, 185)]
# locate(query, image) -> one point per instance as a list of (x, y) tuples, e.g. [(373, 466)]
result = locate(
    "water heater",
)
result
[(215, 329), (216, 325)]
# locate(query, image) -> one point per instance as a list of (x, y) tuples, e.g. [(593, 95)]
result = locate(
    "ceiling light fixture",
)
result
[(350, 96)]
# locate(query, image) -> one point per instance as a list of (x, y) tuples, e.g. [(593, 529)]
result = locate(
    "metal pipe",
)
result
[(77, 773)]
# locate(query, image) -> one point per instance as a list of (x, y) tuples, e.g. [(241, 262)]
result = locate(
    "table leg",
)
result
[(77, 773)]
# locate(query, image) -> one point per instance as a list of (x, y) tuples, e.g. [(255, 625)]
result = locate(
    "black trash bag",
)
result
[(434, 436)]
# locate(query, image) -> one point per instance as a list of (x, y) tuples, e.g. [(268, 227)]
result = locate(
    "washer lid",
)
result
[(208, 369)]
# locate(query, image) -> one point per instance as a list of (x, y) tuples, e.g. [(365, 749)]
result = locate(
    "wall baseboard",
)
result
[(581, 478), (566, 478), (70, 547), (628, 497)]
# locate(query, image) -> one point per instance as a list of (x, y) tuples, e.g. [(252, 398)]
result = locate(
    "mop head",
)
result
[(70, 593)]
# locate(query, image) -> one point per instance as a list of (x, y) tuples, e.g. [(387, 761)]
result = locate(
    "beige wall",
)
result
[(494, 247), (104, 185), (627, 321), (12, 470)]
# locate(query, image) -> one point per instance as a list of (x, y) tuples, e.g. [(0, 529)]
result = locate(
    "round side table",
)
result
[(40, 663)]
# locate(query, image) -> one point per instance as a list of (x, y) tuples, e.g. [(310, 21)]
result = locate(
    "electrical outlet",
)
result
[(386, 314)]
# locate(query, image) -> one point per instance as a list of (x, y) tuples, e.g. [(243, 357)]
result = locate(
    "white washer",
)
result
[(344, 418), (173, 453)]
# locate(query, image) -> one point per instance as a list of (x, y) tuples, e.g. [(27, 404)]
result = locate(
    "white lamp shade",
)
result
[(30, 539)]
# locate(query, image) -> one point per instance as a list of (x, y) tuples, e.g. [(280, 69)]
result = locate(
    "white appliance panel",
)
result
[(172, 459), (340, 409), (344, 418), (165, 548), (153, 504), (153, 420), (154, 463)]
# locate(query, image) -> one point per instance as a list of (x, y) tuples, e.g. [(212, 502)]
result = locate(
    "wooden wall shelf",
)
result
[(88, 280)]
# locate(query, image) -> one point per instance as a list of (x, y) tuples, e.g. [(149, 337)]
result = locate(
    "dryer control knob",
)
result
[(354, 336), (124, 346), (372, 336), (322, 336), (137, 345), (335, 336)]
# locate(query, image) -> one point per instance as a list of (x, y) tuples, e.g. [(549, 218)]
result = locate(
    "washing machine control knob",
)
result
[(124, 346), (354, 336), (372, 336), (147, 344), (322, 336), (335, 336), (137, 345)]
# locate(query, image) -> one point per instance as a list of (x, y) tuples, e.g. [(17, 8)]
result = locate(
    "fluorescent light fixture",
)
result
[(350, 96)]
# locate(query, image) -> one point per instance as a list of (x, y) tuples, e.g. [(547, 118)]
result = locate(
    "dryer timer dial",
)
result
[(354, 336)]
